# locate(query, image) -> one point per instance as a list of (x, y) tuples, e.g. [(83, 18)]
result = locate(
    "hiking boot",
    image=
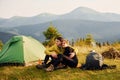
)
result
[(61, 66), (41, 66), (50, 68)]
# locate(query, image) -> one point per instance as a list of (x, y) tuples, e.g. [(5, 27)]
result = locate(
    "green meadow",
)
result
[(31, 73)]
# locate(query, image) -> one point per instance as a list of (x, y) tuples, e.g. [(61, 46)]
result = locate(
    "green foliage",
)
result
[(72, 42), (1, 45), (88, 41), (49, 42), (98, 44), (79, 42), (50, 34)]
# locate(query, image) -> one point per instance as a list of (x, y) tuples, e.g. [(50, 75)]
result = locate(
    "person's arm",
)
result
[(68, 58), (51, 51), (54, 55), (72, 55)]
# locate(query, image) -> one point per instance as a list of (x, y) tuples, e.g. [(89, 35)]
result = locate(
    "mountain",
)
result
[(73, 25), (2, 21), (18, 21), (73, 29), (81, 13), (84, 13), (5, 36)]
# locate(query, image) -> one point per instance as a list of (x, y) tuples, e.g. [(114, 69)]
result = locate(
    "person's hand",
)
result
[(54, 55), (72, 55)]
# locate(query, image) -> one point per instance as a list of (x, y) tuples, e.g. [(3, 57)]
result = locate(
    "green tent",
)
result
[(21, 50)]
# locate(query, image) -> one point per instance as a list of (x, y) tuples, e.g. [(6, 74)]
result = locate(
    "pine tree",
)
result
[(50, 34), (99, 44), (104, 44), (72, 42), (89, 40), (1, 45), (108, 44)]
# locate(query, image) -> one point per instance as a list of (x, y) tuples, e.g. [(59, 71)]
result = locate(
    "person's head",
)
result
[(65, 43), (58, 41)]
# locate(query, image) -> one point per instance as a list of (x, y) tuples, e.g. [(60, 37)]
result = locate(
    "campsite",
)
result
[(30, 72), (59, 39), (20, 55)]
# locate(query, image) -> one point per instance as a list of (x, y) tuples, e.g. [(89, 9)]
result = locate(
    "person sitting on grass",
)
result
[(69, 55), (68, 58), (52, 52)]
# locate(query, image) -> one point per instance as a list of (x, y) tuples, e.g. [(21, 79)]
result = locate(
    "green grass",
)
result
[(31, 73)]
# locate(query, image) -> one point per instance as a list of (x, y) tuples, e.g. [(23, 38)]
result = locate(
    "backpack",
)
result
[(94, 61)]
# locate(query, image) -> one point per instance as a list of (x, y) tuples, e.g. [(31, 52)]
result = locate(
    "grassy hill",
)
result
[(31, 73)]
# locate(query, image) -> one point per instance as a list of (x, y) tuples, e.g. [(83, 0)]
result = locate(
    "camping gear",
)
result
[(21, 50)]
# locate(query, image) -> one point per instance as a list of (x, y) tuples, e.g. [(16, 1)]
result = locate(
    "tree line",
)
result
[(51, 33)]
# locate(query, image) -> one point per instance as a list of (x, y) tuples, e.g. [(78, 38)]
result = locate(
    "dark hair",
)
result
[(59, 38)]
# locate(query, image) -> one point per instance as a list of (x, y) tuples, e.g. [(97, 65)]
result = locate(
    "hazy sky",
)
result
[(9, 8)]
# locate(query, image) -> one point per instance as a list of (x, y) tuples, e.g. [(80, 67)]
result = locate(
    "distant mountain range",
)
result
[(75, 24), (5, 36)]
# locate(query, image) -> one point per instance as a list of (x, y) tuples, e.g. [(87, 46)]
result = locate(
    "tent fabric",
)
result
[(22, 49)]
